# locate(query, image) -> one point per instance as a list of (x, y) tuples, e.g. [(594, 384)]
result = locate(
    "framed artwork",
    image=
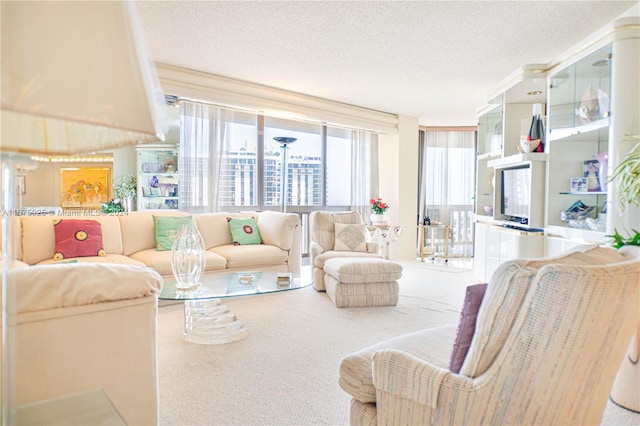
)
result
[(579, 184), (84, 188)]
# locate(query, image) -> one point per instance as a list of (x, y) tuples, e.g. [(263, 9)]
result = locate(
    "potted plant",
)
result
[(627, 178), (125, 189), (378, 208), (111, 206)]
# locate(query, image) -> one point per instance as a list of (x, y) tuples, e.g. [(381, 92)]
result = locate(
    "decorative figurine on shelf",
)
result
[(153, 182), (536, 136)]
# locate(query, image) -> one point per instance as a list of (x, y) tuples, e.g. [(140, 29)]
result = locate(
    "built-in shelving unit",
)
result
[(578, 124), (157, 177), (592, 108), (502, 123)]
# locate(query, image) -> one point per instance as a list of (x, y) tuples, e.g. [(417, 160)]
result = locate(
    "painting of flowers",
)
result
[(84, 188)]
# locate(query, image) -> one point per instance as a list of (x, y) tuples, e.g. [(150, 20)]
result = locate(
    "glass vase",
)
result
[(188, 257)]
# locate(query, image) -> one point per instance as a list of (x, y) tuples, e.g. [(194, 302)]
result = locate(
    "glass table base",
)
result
[(209, 322)]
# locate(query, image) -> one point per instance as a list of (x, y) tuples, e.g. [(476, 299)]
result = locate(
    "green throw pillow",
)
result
[(167, 228), (244, 231)]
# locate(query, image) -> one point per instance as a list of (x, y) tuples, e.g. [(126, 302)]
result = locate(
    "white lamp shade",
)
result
[(76, 77)]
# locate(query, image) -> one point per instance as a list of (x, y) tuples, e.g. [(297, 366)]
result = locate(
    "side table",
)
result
[(384, 235), (446, 229)]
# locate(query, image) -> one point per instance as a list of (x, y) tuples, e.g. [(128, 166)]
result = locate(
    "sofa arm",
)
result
[(407, 376), (67, 285), (278, 229), (315, 249)]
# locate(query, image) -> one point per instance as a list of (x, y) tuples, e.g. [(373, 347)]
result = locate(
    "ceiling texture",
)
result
[(435, 60)]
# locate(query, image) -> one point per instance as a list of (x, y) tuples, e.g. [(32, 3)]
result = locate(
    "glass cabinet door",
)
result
[(490, 132), (157, 179), (579, 95)]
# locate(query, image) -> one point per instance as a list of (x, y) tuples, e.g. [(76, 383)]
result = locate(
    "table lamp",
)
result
[(76, 78)]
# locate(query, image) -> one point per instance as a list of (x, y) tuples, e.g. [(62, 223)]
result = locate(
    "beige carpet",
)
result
[(286, 371)]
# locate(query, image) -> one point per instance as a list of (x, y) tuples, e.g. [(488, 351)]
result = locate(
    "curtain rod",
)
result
[(448, 128)]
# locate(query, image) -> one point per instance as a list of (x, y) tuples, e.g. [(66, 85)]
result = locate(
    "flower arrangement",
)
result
[(378, 206)]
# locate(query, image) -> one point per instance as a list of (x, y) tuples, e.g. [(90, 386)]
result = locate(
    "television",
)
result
[(516, 194)]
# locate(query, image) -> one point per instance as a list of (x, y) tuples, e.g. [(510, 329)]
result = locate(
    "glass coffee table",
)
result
[(206, 319)]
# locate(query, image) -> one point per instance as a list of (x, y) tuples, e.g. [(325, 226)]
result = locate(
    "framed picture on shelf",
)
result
[(591, 171), (579, 184), (84, 187)]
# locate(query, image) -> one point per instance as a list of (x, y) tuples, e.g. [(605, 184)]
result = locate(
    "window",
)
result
[(304, 163), (229, 161), (239, 170)]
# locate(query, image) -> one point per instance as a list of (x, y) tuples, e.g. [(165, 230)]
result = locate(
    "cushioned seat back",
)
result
[(138, 231), (39, 241), (321, 226), (215, 229), (504, 296)]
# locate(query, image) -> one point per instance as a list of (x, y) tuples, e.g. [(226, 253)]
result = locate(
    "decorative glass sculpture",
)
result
[(188, 257)]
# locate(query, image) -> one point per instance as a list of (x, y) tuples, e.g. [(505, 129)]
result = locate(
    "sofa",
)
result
[(546, 341), (129, 239), (84, 327)]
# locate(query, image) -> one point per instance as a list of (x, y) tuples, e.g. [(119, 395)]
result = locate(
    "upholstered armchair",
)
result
[(350, 242), (549, 338)]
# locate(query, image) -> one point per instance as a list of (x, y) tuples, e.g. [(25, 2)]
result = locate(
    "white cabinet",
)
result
[(501, 244), (157, 177)]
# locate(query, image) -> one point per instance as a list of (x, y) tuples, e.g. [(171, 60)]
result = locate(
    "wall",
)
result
[(398, 164), (43, 186)]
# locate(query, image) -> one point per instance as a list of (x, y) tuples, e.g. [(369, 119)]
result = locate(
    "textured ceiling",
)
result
[(435, 60)]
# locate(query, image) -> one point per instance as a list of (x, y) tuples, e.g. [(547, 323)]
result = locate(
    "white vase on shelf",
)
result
[(378, 219)]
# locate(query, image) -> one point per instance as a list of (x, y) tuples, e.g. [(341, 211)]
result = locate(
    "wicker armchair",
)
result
[(549, 339)]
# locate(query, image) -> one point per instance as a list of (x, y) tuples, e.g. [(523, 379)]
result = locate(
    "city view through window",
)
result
[(318, 164)]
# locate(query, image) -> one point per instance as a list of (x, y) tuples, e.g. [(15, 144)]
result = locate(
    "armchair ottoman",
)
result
[(323, 226), (362, 281)]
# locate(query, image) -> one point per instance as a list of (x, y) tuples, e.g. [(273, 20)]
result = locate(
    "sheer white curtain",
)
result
[(446, 187), (202, 144), (364, 171)]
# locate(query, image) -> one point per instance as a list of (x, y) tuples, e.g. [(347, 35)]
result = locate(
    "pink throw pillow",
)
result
[(77, 238), (466, 325)]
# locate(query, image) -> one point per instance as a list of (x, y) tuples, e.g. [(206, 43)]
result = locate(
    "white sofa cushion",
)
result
[(138, 232), (161, 260), (114, 259), (250, 256), (74, 284), (215, 229)]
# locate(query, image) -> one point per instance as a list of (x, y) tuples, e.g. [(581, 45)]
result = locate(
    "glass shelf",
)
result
[(583, 193)]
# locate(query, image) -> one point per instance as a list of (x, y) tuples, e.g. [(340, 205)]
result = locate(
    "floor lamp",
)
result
[(284, 144), (76, 78)]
